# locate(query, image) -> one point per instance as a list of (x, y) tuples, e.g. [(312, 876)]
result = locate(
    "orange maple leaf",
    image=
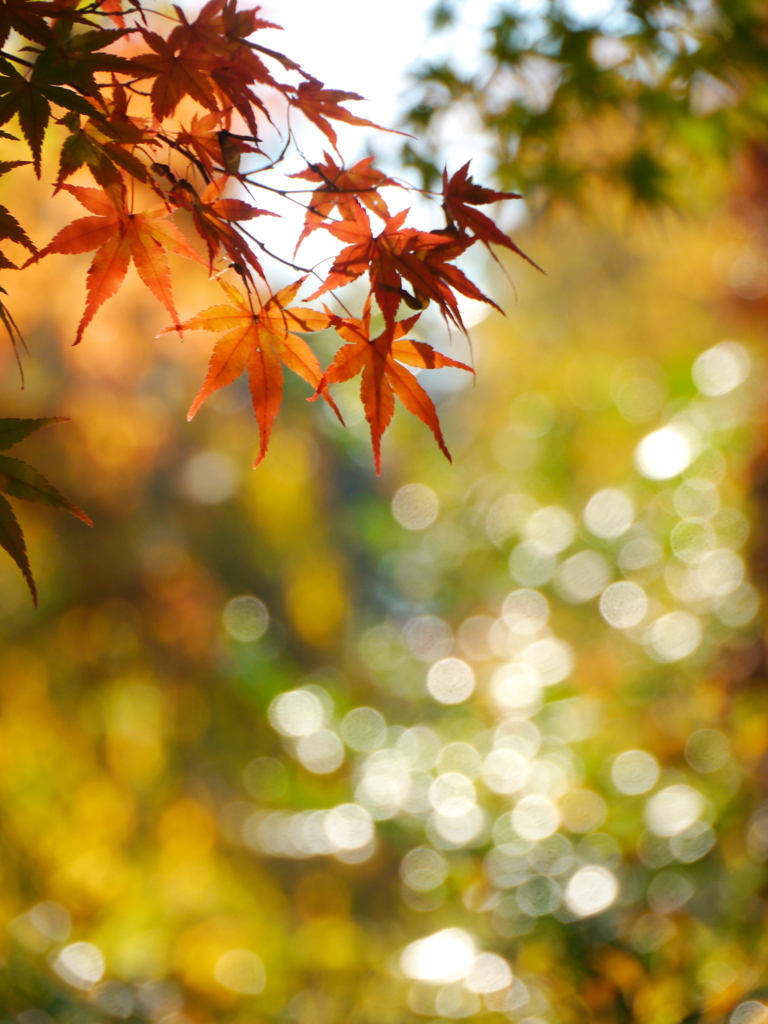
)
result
[(260, 340), (378, 360), (114, 8), (342, 190), (421, 258), (461, 195), (120, 236)]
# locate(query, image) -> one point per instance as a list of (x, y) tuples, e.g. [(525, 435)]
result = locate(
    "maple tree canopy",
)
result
[(152, 115)]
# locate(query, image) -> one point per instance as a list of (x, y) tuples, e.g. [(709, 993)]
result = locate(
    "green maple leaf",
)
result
[(20, 480)]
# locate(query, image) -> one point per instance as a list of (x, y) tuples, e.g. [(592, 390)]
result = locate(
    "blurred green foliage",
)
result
[(642, 96)]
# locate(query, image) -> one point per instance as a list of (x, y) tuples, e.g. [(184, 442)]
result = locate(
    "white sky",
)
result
[(362, 47)]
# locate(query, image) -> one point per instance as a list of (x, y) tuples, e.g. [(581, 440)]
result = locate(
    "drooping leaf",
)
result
[(260, 339), (383, 378), (11, 329), (108, 145), (14, 430), (19, 480), (30, 99), (12, 539), (119, 237), (460, 197), (13, 231), (212, 215), (74, 61), (321, 106)]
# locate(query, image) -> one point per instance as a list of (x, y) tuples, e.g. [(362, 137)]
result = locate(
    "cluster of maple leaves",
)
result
[(172, 123)]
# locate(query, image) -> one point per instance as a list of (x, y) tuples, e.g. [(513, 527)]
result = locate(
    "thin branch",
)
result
[(264, 249), (17, 60)]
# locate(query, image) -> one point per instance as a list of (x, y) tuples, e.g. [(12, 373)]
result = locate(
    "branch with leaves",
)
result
[(155, 116)]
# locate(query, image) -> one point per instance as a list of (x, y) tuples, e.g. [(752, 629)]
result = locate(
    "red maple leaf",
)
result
[(379, 361), (461, 195), (342, 189), (120, 236), (177, 73), (207, 59), (212, 216), (260, 340), (318, 104), (398, 254)]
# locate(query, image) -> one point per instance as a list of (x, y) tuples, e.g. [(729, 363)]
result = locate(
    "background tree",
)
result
[(664, 90)]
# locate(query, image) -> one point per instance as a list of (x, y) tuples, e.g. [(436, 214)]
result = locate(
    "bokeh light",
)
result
[(246, 618), (444, 957), (242, 971), (80, 964), (297, 713), (635, 771), (721, 368), (415, 506), (451, 681), (591, 890), (665, 453), (609, 513)]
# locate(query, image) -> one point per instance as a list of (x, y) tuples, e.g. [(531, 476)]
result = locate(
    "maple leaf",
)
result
[(383, 377), (206, 56), (461, 195), (31, 98), (342, 190), (211, 146), (27, 17), (200, 141), (120, 236), (106, 146), (176, 75), (318, 104), (233, 79), (114, 9), (260, 340), (19, 480), (9, 227), (11, 329), (73, 61), (14, 232), (212, 214), (421, 258), (218, 25)]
